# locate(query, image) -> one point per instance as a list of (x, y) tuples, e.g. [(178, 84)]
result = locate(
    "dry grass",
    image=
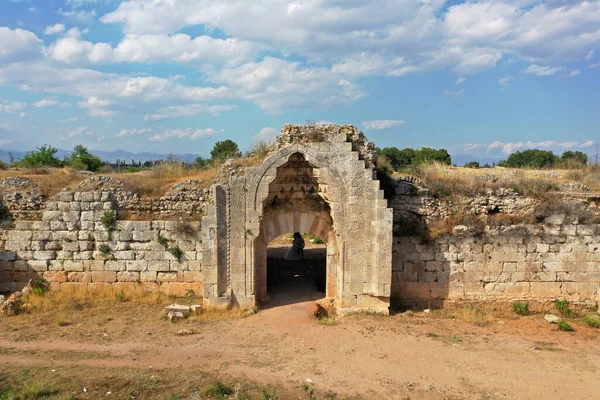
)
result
[(61, 304), (472, 314), (157, 181), (81, 298), (448, 181), (151, 184), (49, 180)]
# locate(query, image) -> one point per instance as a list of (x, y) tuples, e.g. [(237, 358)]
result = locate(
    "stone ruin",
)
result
[(316, 179)]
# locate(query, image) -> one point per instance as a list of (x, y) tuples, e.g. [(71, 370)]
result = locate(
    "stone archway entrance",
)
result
[(296, 202), (323, 188)]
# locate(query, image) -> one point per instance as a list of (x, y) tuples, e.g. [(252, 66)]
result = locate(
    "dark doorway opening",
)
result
[(298, 281)]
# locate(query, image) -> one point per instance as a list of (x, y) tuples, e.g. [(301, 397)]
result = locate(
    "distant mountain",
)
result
[(109, 156), (461, 159)]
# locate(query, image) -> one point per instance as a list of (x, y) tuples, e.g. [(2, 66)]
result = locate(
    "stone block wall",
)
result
[(529, 262), (64, 248)]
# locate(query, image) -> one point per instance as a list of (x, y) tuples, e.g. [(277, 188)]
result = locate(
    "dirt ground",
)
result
[(131, 351)]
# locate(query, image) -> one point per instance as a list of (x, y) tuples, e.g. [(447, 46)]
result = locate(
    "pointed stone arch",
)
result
[(333, 196)]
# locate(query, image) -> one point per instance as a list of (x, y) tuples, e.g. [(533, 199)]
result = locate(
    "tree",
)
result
[(532, 158), (224, 150), (81, 159), (44, 156), (429, 155), (398, 158), (200, 162), (574, 158), (472, 164)]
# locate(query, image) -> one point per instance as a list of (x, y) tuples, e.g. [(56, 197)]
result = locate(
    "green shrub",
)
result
[(109, 222), (313, 238), (163, 240), (224, 150), (104, 249), (565, 326), (219, 390), (81, 159), (563, 307), (176, 252), (592, 321), (44, 156), (268, 393), (3, 165), (521, 308), (120, 296)]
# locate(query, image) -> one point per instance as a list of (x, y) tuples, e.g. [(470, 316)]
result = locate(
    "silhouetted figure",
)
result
[(296, 252)]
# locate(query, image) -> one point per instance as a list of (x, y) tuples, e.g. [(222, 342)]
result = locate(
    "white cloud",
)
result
[(189, 133), (511, 147), (22, 115), (100, 138), (454, 94), (80, 131), (187, 110), (542, 70), (18, 45), (129, 132), (54, 29), (178, 48), (473, 146), (266, 134), (67, 120), (504, 81), (588, 143), (49, 103), (359, 39), (594, 65), (80, 3), (376, 125), (460, 80), (81, 16), (12, 107), (575, 72), (276, 85), (590, 55)]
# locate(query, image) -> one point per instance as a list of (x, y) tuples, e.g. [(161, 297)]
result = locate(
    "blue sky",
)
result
[(483, 78)]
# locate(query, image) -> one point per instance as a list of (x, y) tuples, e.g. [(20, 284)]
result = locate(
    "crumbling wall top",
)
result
[(315, 133)]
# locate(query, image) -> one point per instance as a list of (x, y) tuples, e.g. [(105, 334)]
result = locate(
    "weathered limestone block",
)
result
[(545, 289), (44, 255), (136, 265), (55, 276), (158, 266), (167, 277), (104, 276), (148, 276), (128, 276), (83, 255), (115, 265), (80, 277), (144, 236)]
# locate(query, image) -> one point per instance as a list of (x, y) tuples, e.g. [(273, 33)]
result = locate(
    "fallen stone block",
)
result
[(196, 309), (175, 315), (553, 319), (178, 308)]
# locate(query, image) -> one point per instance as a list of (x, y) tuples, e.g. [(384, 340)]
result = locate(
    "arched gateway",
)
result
[(317, 185)]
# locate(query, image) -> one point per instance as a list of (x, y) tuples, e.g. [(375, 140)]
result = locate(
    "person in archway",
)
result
[(296, 252)]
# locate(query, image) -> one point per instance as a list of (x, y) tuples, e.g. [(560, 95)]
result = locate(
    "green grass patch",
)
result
[(592, 320), (218, 390), (521, 308), (563, 307), (176, 252), (565, 326)]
